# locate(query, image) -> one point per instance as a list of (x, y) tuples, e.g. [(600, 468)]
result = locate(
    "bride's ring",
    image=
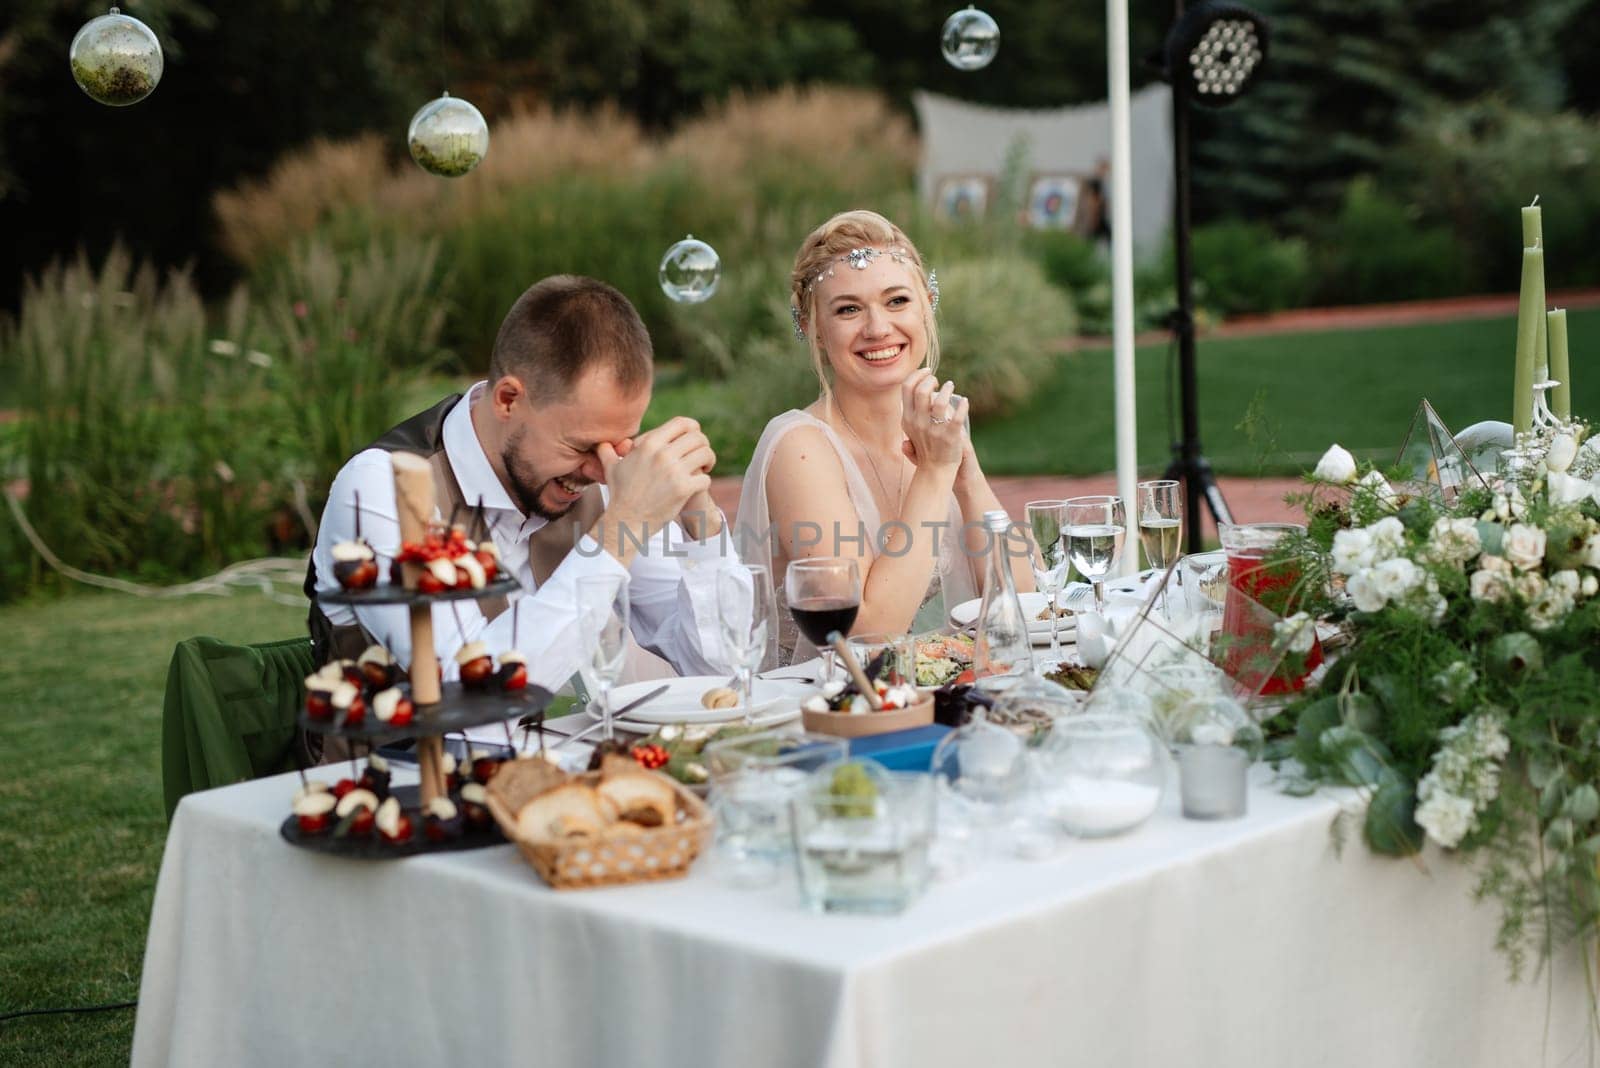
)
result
[(936, 419)]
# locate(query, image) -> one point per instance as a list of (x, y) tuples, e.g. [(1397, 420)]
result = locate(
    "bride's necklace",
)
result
[(900, 488)]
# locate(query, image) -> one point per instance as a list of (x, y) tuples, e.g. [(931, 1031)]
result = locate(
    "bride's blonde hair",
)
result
[(830, 242)]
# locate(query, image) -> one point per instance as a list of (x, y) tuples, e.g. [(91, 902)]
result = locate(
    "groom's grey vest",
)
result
[(423, 434)]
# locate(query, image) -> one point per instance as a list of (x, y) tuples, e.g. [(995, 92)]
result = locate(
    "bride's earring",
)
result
[(794, 314)]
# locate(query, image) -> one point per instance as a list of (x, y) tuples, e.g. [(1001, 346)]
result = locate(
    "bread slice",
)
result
[(639, 796), (570, 811)]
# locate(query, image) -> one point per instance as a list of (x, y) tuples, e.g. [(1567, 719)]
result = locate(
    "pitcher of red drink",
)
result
[(1259, 595)]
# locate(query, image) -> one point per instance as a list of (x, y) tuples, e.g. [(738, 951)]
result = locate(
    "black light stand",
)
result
[(1211, 54)]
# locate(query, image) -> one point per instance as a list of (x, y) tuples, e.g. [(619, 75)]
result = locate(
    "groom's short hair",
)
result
[(562, 327)]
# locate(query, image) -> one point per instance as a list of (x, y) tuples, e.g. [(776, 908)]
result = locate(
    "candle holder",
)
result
[(1543, 417), (1212, 780)]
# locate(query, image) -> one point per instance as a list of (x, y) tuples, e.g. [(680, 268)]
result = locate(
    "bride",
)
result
[(880, 467)]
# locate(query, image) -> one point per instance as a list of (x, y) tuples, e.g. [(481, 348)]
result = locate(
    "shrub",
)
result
[(1378, 250), (157, 445), (1246, 268), (1472, 166), (1002, 325), (345, 334), (141, 438)]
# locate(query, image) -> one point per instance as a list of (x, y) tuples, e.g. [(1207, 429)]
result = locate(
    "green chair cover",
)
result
[(229, 713)]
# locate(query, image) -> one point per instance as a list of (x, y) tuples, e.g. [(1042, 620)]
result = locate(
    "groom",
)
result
[(549, 446)]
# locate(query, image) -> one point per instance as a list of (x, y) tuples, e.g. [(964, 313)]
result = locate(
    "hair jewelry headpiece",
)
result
[(860, 259)]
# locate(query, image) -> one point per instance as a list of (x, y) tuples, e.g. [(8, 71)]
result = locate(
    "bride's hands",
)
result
[(931, 421)]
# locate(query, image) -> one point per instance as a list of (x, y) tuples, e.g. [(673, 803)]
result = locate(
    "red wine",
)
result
[(817, 617)]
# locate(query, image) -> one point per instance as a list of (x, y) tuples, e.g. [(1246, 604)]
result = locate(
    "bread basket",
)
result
[(632, 855)]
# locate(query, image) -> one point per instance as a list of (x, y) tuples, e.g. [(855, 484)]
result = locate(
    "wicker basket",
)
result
[(614, 860)]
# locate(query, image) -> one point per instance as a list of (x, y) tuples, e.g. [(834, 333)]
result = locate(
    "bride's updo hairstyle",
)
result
[(827, 249)]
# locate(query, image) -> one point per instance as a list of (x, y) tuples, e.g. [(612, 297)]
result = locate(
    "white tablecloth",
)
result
[(1239, 944)]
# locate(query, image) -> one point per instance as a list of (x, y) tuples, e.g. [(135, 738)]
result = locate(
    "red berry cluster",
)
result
[(651, 757)]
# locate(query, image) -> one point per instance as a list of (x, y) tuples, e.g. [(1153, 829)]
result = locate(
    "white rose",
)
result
[(1529, 585), (1548, 609), (1487, 585), (1566, 583), (1454, 540), (1563, 450), (1388, 537), (1591, 551), (1446, 817), (1364, 592), (1395, 578), (1336, 465), (1496, 564), (1565, 489), (1590, 586), (1352, 551), (1524, 546), (1379, 487), (1296, 633)]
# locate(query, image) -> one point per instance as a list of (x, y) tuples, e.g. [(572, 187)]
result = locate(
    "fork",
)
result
[(1077, 597)]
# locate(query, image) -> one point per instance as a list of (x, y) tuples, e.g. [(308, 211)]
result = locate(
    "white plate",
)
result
[(965, 614), (776, 701)]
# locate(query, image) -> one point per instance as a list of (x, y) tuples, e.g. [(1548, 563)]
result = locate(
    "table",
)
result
[(1245, 943)]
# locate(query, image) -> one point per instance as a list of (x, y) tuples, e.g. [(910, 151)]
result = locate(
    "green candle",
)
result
[(1560, 367), (1530, 313), (1533, 237), (1532, 226)]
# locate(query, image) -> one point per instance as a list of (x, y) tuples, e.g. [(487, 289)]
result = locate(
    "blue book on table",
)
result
[(908, 750)]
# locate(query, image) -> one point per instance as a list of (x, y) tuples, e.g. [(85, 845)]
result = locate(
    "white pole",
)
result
[(1122, 270)]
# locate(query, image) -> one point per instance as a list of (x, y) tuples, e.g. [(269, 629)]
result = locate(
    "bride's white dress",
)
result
[(954, 581)]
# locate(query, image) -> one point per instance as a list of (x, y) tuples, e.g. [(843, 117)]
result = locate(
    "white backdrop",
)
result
[(963, 138)]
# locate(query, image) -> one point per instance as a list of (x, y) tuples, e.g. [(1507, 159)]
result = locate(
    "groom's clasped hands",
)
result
[(662, 475)]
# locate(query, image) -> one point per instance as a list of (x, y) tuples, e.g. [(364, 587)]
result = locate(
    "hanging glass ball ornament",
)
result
[(970, 39), (690, 271), (448, 137), (116, 59)]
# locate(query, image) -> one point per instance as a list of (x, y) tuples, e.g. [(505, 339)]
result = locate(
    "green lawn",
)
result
[(1357, 387), (81, 817)]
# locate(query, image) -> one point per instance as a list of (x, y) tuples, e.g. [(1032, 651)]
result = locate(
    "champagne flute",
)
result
[(1160, 522), (603, 614), (1094, 531), (824, 595), (745, 614), (1049, 559), (1161, 528)]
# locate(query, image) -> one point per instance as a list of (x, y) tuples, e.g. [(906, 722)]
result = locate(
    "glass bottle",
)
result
[(1003, 646)]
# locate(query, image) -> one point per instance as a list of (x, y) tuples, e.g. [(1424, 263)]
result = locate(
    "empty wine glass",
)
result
[(824, 595), (603, 613), (745, 614), (1049, 560), (1094, 531)]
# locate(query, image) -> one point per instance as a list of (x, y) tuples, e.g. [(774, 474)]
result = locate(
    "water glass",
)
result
[(753, 779), (1094, 531), (1049, 559), (868, 857), (746, 618), (898, 652), (603, 614)]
